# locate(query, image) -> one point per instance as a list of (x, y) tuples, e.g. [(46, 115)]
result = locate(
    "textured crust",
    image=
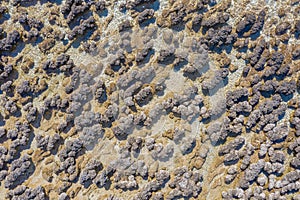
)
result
[(149, 99)]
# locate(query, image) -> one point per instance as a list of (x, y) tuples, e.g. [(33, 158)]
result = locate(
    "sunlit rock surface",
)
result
[(149, 99)]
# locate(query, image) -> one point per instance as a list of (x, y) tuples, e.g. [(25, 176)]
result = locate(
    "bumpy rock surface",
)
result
[(149, 99)]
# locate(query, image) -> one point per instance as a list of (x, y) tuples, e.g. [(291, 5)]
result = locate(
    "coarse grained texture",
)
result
[(149, 99)]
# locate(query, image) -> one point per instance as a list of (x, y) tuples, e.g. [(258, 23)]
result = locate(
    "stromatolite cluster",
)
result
[(149, 99)]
